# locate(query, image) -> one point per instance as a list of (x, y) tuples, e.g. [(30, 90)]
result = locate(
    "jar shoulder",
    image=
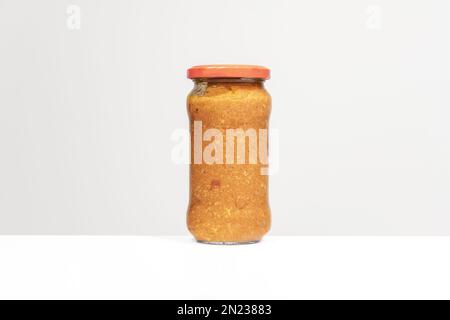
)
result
[(228, 96)]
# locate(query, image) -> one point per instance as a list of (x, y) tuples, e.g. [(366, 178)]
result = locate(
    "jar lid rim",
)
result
[(228, 71)]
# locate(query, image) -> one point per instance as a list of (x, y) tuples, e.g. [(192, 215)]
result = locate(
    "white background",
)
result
[(92, 267), (360, 98)]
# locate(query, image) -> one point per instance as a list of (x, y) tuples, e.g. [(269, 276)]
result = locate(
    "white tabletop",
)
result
[(178, 268)]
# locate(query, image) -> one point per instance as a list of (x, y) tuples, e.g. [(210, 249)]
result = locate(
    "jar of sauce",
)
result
[(229, 111)]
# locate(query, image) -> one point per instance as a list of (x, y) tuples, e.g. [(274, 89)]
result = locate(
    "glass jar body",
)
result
[(228, 171)]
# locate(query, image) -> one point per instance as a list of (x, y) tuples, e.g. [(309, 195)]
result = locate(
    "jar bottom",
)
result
[(228, 243)]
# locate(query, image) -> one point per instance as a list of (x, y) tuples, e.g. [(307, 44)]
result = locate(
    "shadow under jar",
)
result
[(229, 111)]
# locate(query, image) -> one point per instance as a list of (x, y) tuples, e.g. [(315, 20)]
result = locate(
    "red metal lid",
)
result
[(228, 71)]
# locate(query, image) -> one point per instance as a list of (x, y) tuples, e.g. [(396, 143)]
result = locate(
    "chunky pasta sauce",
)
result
[(229, 111)]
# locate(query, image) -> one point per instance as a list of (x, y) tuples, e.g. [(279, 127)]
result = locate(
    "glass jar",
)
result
[(229, 111)]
